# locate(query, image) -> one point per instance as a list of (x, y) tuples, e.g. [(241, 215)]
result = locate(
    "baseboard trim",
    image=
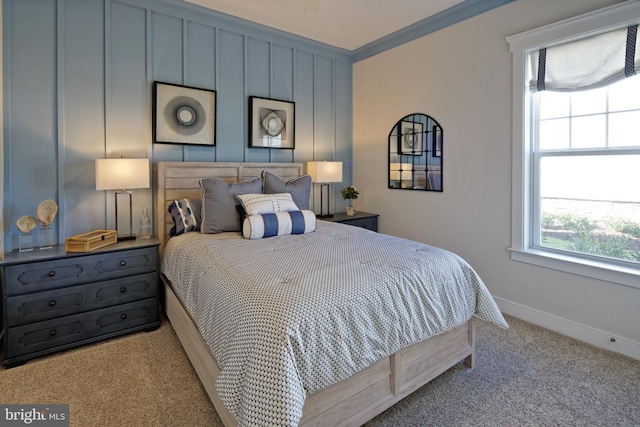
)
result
[(574, 330)]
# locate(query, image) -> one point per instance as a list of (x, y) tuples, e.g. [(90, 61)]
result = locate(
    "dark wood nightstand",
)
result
[(360, 219), (53, 300)]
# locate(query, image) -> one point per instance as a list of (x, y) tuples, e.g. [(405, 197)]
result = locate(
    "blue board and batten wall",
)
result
[(78, 81)]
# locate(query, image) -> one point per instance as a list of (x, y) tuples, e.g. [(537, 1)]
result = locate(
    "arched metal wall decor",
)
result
[(415, 154)]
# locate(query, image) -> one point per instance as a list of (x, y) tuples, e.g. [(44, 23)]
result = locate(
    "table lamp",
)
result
[(324, 173), (122, 175)]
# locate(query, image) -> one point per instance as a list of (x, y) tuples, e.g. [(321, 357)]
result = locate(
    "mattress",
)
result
[(286, 316)]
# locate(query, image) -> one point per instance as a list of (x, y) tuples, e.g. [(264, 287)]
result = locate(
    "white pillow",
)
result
[(256, 204), (278, 224)]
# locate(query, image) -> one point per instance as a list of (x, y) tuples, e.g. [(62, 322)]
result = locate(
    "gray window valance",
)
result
[(587, 63)]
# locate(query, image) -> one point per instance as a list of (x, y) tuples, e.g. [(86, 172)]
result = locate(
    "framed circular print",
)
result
[(183, 114)]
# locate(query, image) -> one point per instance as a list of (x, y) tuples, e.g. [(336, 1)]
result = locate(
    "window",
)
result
[(577, 145), (586, 153)]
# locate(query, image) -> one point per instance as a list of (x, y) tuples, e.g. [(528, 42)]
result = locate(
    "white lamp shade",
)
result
[(325, 171), (122, 174)]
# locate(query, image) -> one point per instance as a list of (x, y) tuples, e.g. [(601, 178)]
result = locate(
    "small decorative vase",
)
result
[(145, 224), (46, 238), (351, 210), (26, 242)]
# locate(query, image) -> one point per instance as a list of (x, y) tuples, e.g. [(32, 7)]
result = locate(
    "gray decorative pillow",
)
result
[(300, 188), (219, 202)]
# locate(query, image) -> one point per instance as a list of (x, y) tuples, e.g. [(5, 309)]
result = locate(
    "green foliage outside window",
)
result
[(614, 237)]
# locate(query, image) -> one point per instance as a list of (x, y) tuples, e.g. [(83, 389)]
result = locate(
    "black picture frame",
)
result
[(183, 114), (410, 136), (271, 123)]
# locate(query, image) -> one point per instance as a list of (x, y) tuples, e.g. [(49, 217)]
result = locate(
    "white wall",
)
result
[(461, 76)]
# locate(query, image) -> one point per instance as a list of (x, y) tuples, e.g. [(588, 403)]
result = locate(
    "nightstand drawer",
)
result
[(368, 223), (50, 334), (41, 306), (360, 219), (39, 276)]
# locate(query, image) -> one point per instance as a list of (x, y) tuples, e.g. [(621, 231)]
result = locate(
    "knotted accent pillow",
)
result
[(186, 215), (278, 224)]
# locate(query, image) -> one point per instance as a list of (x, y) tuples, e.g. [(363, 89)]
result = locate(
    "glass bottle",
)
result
[(145, 224)]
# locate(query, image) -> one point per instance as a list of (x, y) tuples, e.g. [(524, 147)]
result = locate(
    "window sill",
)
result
[(623, 275)]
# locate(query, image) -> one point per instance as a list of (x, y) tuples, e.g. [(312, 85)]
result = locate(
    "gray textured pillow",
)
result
[(219, 203), (300, 188)]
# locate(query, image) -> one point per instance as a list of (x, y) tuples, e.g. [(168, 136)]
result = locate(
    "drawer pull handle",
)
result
[(123, 289), (52, 273), (123, 263), (123, 316), (52, 303), (52, 333)]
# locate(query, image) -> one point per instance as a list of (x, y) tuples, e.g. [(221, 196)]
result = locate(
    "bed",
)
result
[(357, 381)]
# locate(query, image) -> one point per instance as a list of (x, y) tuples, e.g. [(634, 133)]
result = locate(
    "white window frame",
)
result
[(522, 249)]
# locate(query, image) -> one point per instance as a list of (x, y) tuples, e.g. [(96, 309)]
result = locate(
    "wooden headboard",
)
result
[(180, 180)]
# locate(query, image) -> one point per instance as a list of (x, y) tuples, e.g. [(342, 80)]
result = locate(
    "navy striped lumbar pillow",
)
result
[(278, 224)]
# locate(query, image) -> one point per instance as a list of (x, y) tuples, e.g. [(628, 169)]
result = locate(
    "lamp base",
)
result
[(322, 214), (130, 235), (126, 237)]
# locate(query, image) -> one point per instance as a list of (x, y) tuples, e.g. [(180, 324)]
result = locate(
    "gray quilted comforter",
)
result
[(286, 316)]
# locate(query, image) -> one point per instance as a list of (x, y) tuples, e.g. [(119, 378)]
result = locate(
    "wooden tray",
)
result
[(93, 240)]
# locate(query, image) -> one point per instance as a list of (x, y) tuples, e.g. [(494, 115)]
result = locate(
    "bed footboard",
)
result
[(358, 398)]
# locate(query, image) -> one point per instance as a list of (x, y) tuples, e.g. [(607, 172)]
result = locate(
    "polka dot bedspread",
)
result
[(286, 316)]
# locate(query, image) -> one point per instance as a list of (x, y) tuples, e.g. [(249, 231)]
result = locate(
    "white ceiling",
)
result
[(347, 24)]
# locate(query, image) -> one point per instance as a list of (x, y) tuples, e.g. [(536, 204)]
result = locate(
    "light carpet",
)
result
[(524, 376)]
